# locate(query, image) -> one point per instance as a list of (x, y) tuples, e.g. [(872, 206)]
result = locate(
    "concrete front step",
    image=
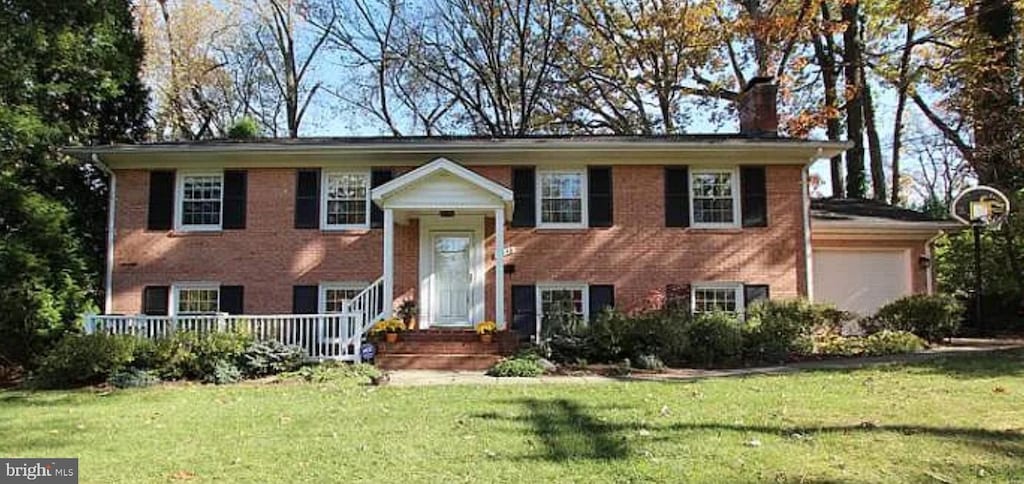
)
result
[(453, 335), (474, 362)]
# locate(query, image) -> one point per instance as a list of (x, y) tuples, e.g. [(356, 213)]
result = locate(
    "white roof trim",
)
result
[(441, 164)]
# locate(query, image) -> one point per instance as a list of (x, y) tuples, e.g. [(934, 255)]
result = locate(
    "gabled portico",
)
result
[(452, 204)]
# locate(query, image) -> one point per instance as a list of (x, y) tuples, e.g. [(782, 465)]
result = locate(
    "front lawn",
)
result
[(956, 419)]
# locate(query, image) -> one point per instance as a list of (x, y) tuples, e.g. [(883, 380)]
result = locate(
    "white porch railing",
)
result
[(323, 336)]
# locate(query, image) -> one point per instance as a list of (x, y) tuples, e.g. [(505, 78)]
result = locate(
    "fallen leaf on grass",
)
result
[(183, 475)]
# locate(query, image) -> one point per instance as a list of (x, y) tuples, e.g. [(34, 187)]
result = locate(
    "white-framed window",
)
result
[(714, 198), (196, 298), (706, 297), (345, 200), (199, 201), (334, 295), (563, 298), (561, 198)]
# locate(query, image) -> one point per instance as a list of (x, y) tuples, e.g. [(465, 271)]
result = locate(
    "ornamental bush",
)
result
[(84, 360), (892, 343), (195, 355), (774, 330), (932, 317), (133, 378), (264, 358), (516, 367), (714, 339)]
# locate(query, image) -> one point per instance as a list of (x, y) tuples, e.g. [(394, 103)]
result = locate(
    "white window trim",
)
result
[(547, 286), (736, 212), (736, 286), (179, 201), (539, 202), (177, 287), (344, 285), (323, 200)]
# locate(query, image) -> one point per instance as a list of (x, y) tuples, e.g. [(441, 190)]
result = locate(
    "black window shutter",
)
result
[(232, 299), (378, 177), (677, 196), (524, 310), (754, 198), (161, 200), (754, 292), (307, 199), (599, 186), (525, 214), (236, 187), (154, 300), (601, 296), (304, 300)]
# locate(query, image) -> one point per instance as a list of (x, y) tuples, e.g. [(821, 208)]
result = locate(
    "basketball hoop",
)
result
[(981, 206)]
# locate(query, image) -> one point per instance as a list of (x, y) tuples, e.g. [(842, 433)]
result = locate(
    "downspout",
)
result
[(108, 279), (808, 261), (929, 274)]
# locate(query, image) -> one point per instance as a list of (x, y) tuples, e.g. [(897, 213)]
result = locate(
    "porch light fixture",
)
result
[(447, 213), (924, 262)]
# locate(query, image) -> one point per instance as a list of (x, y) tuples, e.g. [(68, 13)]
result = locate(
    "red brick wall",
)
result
[(639, 255)]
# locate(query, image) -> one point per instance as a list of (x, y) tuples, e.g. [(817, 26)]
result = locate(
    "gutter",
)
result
[(108, 278), (808, 252)]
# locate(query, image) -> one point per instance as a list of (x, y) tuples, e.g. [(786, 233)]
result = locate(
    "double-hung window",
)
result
[(193, 299), (563, 301), (334, 295), (562, 201), (200, 201), (717, 297), (346, 200), (714, 198)]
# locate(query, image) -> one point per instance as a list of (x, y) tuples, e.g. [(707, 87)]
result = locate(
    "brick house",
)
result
[(475, 229)]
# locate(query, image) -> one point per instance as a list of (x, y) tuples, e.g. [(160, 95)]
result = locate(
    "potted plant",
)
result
[(389, 328), (407, 311), (486, 331)]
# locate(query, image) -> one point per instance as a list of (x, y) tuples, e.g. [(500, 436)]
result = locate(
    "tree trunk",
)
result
[(825, 53), (874, 145), (902, 84), (855, 100)]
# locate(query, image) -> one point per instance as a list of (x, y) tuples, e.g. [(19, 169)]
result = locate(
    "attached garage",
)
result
[(862, 280), (866, 254)]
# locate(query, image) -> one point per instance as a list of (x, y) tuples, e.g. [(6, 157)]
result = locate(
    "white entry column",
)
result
[(499, 268), (389, 262)]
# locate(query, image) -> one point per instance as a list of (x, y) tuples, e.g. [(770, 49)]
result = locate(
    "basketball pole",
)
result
[(976, 228)]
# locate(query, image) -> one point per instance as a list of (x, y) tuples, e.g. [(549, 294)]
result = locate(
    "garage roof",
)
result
[(870, 217)]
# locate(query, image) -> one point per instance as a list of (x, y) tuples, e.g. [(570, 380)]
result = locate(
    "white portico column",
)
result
[(389, 262), (499, 268)]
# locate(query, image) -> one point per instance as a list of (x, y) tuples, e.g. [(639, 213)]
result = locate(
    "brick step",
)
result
[(436, 362), (454, 336), (450, 347)]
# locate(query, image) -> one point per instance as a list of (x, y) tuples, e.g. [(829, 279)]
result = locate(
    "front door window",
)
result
[(452, 279)]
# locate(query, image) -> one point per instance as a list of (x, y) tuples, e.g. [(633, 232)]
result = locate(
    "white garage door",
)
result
[(861, 280)]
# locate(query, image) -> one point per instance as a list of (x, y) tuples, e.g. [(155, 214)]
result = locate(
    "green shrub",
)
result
[(775, 330), (133, 378), (566, 338), (244, 128), (714, 339), (932, 317), (616, 336), (649, 362), (892, 343), (263, 358), (223, 372), (516, 367), (832, 344), (195, 355), (84, 360)]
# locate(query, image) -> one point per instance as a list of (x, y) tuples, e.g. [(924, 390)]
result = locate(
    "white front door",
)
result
[(453, 278)]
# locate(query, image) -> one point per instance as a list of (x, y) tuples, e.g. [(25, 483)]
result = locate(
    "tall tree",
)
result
[(289, 49), (68, 74), (853, 59)]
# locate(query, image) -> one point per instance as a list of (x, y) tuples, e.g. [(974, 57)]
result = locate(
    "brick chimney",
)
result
[(759, 116)]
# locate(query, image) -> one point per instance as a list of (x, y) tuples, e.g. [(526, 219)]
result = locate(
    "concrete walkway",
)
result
[(957, 347)]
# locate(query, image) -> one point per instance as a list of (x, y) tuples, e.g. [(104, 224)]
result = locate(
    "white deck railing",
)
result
[(324, 336)]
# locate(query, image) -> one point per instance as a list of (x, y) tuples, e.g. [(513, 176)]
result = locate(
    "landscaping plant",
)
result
[(930, 316)]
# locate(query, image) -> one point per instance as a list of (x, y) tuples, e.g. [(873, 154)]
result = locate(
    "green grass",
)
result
[(958, 419)]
